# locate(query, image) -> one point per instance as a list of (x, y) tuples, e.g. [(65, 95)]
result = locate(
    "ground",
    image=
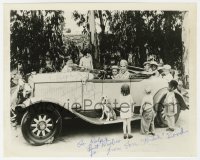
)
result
[(79, 138)]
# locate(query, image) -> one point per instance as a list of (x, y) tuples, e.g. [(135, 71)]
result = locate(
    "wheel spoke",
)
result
[(40, 118), (43, 133), (48, 120), (44, 118), (35, 120), (38, 133), (35, 130), (49, 125), (47, 129), (34, 125)]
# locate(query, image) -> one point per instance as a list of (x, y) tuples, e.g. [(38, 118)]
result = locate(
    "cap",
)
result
[(167, 67), (114, 67)]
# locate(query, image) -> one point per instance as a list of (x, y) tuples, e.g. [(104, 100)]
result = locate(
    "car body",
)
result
[(58, 96)]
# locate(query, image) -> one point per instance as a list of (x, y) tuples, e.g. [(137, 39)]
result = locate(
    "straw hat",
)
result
[(154, 63), (147, 62)]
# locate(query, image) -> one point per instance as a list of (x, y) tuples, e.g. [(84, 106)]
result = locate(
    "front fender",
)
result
[(162, 93), (34, 100)]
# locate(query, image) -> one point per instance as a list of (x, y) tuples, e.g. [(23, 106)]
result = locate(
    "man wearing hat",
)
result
[(154, 69), (167, 75)]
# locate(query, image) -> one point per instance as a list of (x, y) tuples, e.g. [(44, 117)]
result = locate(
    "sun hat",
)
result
[(147, 62), (154, 63)]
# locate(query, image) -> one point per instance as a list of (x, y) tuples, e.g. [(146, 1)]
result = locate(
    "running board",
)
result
[(97, 121)]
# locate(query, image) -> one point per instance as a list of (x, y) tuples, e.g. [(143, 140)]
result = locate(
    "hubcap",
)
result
[(41, 125)]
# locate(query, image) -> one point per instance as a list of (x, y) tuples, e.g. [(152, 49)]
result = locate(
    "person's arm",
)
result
[(132, 104), (91, 64), (81, 63), (175, 105)]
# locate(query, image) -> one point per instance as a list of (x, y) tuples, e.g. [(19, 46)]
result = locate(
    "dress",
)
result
[(147, 120), (127, 107)]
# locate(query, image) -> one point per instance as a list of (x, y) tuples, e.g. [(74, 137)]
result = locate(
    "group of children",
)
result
[(147, 110)]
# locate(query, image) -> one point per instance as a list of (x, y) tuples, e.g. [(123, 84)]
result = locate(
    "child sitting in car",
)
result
[(114, 72)]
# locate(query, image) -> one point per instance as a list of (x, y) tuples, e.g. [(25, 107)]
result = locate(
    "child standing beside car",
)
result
[(170, 106), (127, 109), (147, 113)]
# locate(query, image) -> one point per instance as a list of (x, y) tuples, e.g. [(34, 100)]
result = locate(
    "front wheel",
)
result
[(41, 125), (159, 119)]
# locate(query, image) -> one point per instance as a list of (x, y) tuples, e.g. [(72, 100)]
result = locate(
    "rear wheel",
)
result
[(159, 119), (41, 125)]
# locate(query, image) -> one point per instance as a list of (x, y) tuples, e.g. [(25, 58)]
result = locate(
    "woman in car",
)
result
[(123, 73)]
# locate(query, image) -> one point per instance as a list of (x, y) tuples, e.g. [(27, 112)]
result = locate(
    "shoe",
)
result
[(125, 136), (170, 129), (130, 136), (152, 133)]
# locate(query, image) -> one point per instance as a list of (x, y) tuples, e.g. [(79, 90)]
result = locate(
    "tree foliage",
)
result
[(36, 35), (139, 32)]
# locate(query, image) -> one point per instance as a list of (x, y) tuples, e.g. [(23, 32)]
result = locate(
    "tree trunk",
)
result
[(186, 41), (186, 48), (93, 38)]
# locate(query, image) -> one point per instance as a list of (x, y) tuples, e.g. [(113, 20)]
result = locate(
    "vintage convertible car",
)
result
[(58, 96)]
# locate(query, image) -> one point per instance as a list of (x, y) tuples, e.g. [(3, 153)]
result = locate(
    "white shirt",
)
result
[(86, 62), (170, 104)]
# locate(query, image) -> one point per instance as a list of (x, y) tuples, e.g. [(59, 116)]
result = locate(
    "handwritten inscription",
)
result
[(111, 145)]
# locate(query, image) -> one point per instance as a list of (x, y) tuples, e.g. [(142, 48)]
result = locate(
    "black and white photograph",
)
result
[(100, 81)]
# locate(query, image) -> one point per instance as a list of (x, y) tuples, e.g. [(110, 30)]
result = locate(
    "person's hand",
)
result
[(163, 114)]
